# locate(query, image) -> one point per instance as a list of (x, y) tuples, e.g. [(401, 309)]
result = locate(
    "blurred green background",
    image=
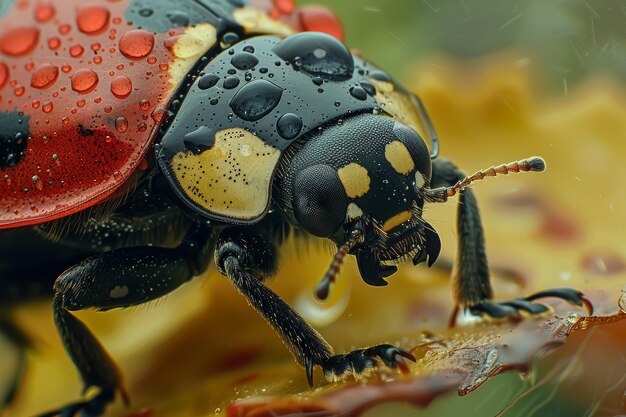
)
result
[(571, 39)]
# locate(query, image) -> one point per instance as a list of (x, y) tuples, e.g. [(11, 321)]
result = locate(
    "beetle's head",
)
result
[(361, 181)]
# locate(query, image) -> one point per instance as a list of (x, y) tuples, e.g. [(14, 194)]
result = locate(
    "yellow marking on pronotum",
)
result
[(196, 41), (399, 157), (233, 178), (258, 21), (355, 180), (397, 220)]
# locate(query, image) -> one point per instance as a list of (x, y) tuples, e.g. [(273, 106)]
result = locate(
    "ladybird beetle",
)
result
[(139, 140)]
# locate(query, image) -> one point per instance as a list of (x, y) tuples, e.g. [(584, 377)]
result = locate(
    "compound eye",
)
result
[(320, 201)]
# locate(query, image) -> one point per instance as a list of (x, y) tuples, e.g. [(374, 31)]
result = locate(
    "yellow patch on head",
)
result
[(355, 180), (353, 212), (233, 178), (196, 41), (258, 21), (399, 157), (419, 179), (397, 220)]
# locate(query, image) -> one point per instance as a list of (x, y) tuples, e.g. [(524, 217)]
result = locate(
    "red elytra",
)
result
[(90, 124), (76, 156)]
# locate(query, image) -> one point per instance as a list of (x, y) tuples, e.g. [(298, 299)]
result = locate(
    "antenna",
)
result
[(323, 288), (441, 195)]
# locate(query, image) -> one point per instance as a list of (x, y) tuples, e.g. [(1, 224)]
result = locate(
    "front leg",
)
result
[(239, 254), (470, 276), (117, 279)]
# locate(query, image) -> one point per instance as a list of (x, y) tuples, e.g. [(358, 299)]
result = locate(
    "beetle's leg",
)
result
[(470, 276), (119, 278), (239, 254)]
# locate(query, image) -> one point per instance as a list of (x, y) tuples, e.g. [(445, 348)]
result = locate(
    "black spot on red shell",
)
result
[(13, 138), (255, 100)]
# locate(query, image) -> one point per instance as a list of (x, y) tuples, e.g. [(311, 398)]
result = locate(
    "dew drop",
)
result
[(244, 61), (121, 87), (66, 68), (47, 107), (144, 104), (380, 76), (76, 51), (19, 41), (19, 90), (229, 39), (65, 29), (358, 93), (369, 88), (84, 81), (207, 81), (231, 82), (159, 114), (317, 54), (256, 100), (54, 43), (44, 12), (289, 126), (44, 76), (92, 19), (136, 44), (121, 124)]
